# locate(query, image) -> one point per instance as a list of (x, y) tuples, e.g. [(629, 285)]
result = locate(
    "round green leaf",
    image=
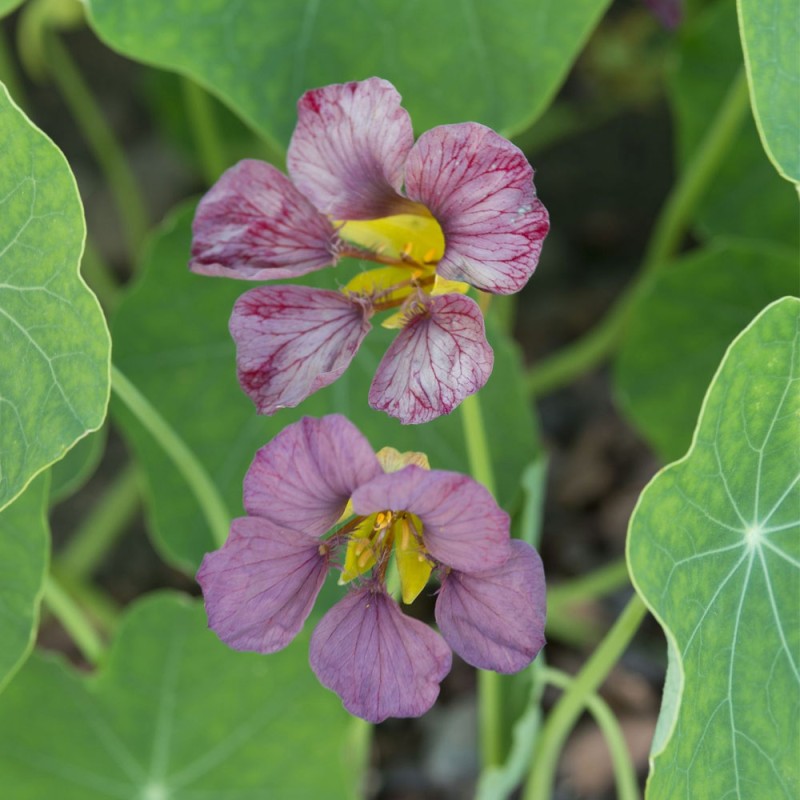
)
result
[(24, 548), (54, 370), (770, 32), (714, 550), (175, 714), (499, 63), (681, 327)]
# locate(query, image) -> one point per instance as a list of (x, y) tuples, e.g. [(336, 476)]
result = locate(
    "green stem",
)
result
[(9, 75), (624, 770), (566, 713), (100, 607), (667, 236), (97, 132), (69, 614), (205, 130), (601, 582), (101, 529), (185, 461)]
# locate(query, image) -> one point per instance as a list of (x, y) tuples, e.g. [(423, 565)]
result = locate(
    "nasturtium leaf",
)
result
[(54, 368), (172, 714), (499, 63), (770, 32), (7, 6), (710, 59), (714, 550), (681, 328), (171, 339), (24, 548), (77, 466)]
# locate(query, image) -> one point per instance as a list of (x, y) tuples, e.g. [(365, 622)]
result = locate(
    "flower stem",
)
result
[(186, 462), (564, 716), (203, 122), (601, 582), (668, 233), (69, 614)]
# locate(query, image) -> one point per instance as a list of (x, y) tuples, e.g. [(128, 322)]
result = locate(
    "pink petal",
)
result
[(379, 661), (304, 477), (293, 340), (479, 187), (463, 527), (261, 585), (348, 149), (254, 225), (437, 359), (495, 619)]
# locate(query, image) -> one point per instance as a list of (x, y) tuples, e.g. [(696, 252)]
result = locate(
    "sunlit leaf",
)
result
[(714, 549)]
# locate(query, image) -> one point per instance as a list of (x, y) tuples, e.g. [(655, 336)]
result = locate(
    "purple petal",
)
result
[(437, 359), (463, 527), (379, 661), (495, 619), (348, 149), (304, 477), (479, 187), (293, 340), (254, 225), (261, 585)]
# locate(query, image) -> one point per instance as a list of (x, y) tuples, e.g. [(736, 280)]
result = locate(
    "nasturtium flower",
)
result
[(457, 208), (318, 498)]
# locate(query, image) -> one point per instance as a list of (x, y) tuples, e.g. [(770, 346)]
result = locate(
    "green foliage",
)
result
[(7, 6), (680, 328), (172, 713), (770, 32), (714, 550), (499, 63), (24, 547), (54, 375), (77, 466)]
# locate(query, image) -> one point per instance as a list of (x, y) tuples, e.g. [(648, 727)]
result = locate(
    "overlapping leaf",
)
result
[(714, 549)]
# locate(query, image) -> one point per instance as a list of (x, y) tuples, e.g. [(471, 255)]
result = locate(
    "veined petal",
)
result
[(293, 340), (348, 149), (479, 187), (304, 477), (495, 619), (379, 661), (439, 357), (462, 525), (261, 585), (254, 224)]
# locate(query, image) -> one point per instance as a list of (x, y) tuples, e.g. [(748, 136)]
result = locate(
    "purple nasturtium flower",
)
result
[(318, 474), (458, 208)]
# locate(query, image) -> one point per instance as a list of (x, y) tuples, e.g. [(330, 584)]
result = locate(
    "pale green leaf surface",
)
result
[(770, 31), (173, 714), (746, 198), (54, 366), (24, 548), (681, 328), (499, 63), (714, 550), (171, 339)]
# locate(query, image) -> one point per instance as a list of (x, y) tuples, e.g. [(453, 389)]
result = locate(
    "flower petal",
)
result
[(463, 527), (261, 585), (495, 619), (439, 357), (379, 661), (348, 149), (254, 225), (479, 187), (293, 340), (304, 477)]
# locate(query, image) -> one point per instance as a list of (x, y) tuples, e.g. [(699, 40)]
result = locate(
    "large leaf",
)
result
[(171, 338), (499, 63), (714, 550), (7, 6), (174, 714), (680, 330), (770, 32), (24, 548), (77, 466), (710, 59), (54, 365)]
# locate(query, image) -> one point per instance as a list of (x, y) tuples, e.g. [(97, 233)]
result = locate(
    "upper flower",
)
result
[(457, 208), (316, 474)]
